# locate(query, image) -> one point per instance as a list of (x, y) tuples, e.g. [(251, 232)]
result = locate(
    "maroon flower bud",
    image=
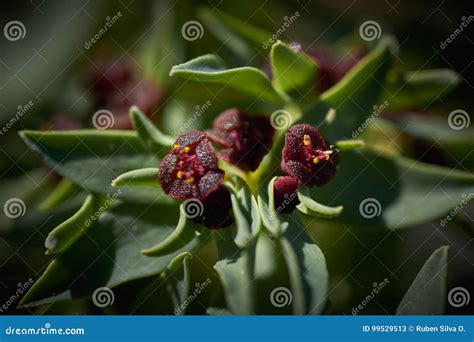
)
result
[(190, 168), (215, 210), (244, 139), (109, 75), (285, 193), (307, 157)]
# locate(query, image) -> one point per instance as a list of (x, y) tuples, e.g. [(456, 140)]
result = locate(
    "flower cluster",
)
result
[(190, 169)]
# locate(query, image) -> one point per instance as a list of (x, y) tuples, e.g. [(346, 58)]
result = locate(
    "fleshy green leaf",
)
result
[(418, 88), (209, 68), (113, 245), (427, 293), (246, 213), (140, 177), (152, 138), (185, 232), (293, 71), (63, 191), (63, 236), (92, 159), (311, 207), (346, 145), (266, 204)]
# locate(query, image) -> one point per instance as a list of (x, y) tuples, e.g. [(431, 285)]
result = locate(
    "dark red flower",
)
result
[(307, 157), (244, 139), (190, 168), (285, 193), (216, 210)]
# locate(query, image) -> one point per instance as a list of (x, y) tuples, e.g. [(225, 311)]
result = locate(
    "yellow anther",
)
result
[(176, 146), (306, 140), (179, 174), (186, 149), (327, 156), (190, 180), (315, 160)]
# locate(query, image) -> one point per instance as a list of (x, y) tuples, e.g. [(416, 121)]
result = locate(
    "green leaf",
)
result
[(209, 68), (415, 89), (346, 145), (63, 192), (354, 95), (152, 138), (113, 257), (92, 159), (427, 293), (185, 232), (309, 206), (168, 291), (268, 212), (246, 213), (140, 177), (293, 71), (68, 232), (235, 269), (307, 269)]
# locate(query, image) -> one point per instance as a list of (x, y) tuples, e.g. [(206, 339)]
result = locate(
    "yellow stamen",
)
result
[(315, 160), (179, 174), (306, 140), (327, 156), (176, 146), (190, 180), (186, 149)]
